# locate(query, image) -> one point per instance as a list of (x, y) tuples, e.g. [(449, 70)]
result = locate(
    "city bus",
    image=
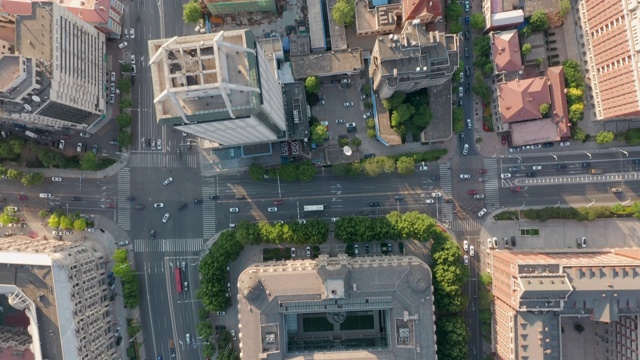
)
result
[(314, 208), (178, 277)]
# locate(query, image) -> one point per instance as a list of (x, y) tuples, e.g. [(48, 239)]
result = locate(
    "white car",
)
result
[(293, 252), (84, 134), (153, 144), (113, 77), (366, 115), (12, 208), (565, 143), (424, 167), (56, 233), (349, 103), (465, 176), (133, 59), (302, 221), (123, 45), (478, 196), (465, 150), (465, 245), (537, 168), (494, 240), (482, 212), (505, 176), (188, 339), (460, 92), (165, 218), (472, 251), (324, 123), (158, 205), (234, 210), (436, 194), (132, 33), (168, 181), (335, 219), (468, 123), (272, 209), (79, 147), (430, 201), (56, 178), (308, 251), (112, 99), (351, 124), (159, 144), (91, 229), (339, 121), (466, 260)]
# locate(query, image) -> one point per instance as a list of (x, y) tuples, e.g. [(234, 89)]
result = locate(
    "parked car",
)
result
[(351, 125), (465, 149), (466, 260), (56, 178), (123, 243), (85, 135), (565, 143), (348, 103), (168, 181), (423, 167), (472, 251), (165, 218), (560, 167), (293, 252), (366, 115), (465, 245), (581, 242), (123, 45)]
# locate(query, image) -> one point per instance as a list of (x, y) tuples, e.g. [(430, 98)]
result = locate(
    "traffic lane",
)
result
[(608, 165), (565, 154), (573, 194)]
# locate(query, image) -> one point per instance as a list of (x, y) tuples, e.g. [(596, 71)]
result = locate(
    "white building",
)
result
[(219, 87)]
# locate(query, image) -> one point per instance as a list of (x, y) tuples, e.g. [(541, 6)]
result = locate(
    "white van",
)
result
[(45, 195)]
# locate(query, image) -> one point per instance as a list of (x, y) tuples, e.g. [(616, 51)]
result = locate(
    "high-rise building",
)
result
[(611, 43), (55, 75), (219, 87), (539, 298), (55, 300)]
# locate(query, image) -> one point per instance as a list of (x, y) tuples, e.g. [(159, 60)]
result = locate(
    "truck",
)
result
[(30, 134), (172, 348), (595, 171), (314, 208), (178, 278)]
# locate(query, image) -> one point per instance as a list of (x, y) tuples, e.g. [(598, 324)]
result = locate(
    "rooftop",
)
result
[(529, 6), (521, 99), (423, 10), (281, 298), (326, 63), (337, 31), (505, 49), (378, 18)]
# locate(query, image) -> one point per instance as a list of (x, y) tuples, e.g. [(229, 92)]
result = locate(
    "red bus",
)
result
[(178, 277)]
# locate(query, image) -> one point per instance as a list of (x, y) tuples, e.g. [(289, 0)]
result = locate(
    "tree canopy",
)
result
[(539, 21), (319, 133), (191, 12), (605, 137), (477, 21), (312, 85), (344, 12)]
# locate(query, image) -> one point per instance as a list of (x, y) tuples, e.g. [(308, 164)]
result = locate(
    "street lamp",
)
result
[(555, 157), (278, 176), (588, 154), (622, 151), (626, 201), (557, 205), (591, 203)]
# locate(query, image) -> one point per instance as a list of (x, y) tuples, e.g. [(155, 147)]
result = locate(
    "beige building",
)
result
[(363, 308), (59, 300), (540, 297), (378, 20), (414, 60), (220, 87), (55, 75)]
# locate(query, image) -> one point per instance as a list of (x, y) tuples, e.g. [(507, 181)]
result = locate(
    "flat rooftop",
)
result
[(278, 300), (327, 63)]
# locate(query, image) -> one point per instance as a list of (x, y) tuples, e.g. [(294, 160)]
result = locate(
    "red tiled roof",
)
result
[(559, 108), (16, 7), (521, 99), (412, 9), (506, 51), (99, 14)]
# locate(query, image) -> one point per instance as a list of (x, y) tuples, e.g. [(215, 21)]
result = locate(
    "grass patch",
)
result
[(357, 322), (311, 324), (507, 215)]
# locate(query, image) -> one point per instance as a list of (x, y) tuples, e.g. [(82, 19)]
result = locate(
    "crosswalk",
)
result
[(167, 245), (467, 225), (124, 205), (492, 186), (445, 184), (209, 187), (158, 159)]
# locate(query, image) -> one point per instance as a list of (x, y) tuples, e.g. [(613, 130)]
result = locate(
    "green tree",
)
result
[(306, 171), (574, 96), (124, 137), (632, 136), (573, 74), (526, 31), (526, 49), (11, 150), (124, 120), (452, 336), (80, 224), (371, 133), (89, 162), (256, 172), (356, 142), (66, 223), (312, 85), (578, 133), (565, 8), (401, 114), (44, 214), (191, 12), (50, 158), (394, 101), (458, 119), (539, 21), (125, 103), (14, 174), (477, 21), (544, 109), (576, 112), (32, 178), (204, 330), (319, 134), (485, 279), (54, 221), (453, 11), (406, 165), (342, 142), (124, 85), (605, 137), (481, 88), (6, 218), (344, 12), (370, 123)]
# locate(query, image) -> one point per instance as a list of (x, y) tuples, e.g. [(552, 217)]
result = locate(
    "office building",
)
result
[(55, 300)]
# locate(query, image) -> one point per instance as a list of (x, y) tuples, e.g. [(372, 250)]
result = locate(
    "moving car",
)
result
[(56, 178), (478, 196), (471, 192), (131, 197), (152, 234), (188, 339), (182, 206), (585, 165), (348, 104), (214, 197), (234, 210), (272, 209), (123, 243), (430, 201), (168, 181), (616, 190), (531, 174), (436, 194), (538, 167), (133, 59), (482, 212), (481, 171), (165, 218), (505, 176), (197, 201), (424, 167), (515, 189), (132, 33), (465, 149), (278, 202), (112, 206), (398, 197), (76, 198), (465, 176), (84, 134), (339, 121), (514, 169), (23, 197), (472, 251), (113, 77), (560, 167), (123, 45), (158, 205), (465, 245), (159, 144), (374, 204)]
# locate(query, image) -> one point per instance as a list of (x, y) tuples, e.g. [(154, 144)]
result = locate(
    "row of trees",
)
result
[(574, 80), (58, 220), (583, 213), (130, 285), (124, 119), (404, 164), (410, 113), (26, 178), (8, 216), (312, 233), (302, 171), (213, 271)]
